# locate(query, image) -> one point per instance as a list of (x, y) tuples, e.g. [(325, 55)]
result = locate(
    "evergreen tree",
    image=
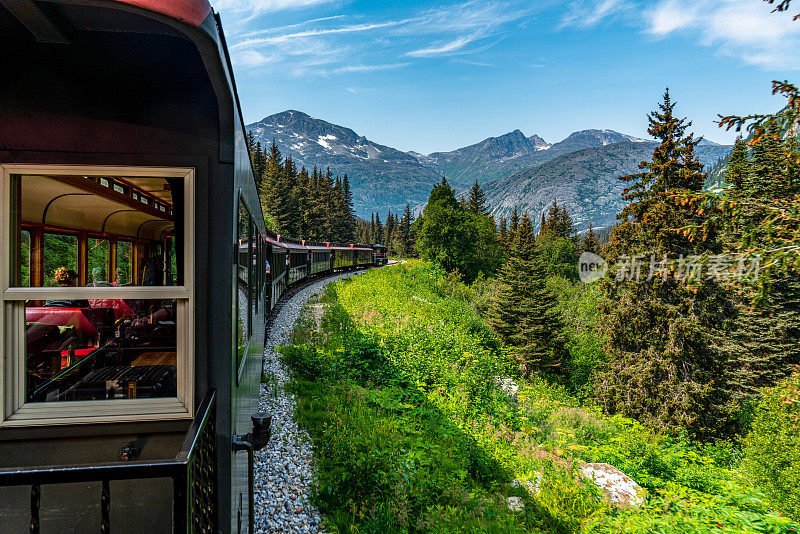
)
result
[(737, 170), (664, 365), (590, 242), (378, 229), (513, 225), (523, 311), (503, 233), (406, 237), (476, 203)]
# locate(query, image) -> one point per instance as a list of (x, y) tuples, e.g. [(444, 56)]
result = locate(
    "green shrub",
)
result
[(772, 449)]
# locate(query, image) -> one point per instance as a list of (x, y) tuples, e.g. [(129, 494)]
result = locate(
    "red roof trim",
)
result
[(193, 12)]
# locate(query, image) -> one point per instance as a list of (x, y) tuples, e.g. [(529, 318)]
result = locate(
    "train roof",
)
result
[(193, 12), (286, 245)]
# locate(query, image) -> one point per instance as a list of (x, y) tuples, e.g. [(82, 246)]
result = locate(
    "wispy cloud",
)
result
[(370, 68), (450, 47), (286, 37), (451, 29), (338, 44), (586, 13), (261, 6), (737, 28)]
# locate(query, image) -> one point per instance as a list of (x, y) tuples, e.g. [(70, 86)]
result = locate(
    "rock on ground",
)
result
[(616, 485), (285, 468)]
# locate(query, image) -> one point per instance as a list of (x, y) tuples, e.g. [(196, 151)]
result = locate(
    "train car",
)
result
[(278, 268), (379, 255), (342, 258), (362, 256), (319, 259), (134, 275), (296, 259)]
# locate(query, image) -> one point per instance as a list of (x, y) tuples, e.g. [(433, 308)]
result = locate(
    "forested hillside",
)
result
[(478, 389)]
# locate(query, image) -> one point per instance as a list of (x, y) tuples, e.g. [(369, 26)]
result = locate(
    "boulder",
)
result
[(616, 485), (509, 387), (515, 504), (533, 486)]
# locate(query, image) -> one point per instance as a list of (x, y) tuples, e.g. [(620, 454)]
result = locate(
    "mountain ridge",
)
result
[(513, 168)]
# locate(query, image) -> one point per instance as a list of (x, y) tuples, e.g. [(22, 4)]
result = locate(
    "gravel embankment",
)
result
[(285, 467)]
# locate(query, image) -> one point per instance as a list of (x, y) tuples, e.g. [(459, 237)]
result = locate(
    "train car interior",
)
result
[(95, 231)]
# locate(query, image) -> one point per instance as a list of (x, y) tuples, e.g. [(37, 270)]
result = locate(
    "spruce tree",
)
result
[(513, 225), (590, 242), (664, 364), (476, 203), (523, 311)]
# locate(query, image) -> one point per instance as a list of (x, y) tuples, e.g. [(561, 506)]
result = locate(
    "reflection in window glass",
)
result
[(243, 283), (99, 262), (124, 272), (72, 212), (109, 349), (172, 261), (60, 257), (25, 258)]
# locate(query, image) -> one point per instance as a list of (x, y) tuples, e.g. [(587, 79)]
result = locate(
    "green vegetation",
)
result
[(394, 378), (449, 234), (314, 205)]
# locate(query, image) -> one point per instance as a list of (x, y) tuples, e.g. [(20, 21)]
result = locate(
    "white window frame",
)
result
[(18, 413)]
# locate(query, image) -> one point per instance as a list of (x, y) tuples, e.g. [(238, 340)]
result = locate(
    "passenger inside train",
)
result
[(114, 234)]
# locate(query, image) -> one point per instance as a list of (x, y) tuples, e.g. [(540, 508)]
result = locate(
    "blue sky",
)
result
[(438, 75)]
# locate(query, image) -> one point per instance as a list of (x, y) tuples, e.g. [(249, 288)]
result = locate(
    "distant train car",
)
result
[(342, 258), (319, 259), (363, 256), (379, 255)]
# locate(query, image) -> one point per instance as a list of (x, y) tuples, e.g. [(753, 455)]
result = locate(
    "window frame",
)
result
[(18, 413)]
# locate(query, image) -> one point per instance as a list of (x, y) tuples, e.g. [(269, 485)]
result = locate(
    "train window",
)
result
[(243, 291), (25, 258), (99, 262), (86, 329), (60, 257), (100, 349), (124, 271)]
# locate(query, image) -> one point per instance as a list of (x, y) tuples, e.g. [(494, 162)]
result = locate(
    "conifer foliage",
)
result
[(523, 312), (451, 236), (316, 206), (663, 363)]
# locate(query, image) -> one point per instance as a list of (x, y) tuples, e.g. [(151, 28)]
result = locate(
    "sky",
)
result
[(433, 76)]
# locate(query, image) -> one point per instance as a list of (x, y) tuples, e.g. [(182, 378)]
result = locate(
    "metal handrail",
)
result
[(178, 469)]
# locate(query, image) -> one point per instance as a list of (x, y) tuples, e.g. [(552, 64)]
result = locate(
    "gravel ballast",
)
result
[(284, 469)]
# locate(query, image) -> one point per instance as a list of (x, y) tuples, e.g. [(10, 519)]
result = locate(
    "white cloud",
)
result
[(343, 43), (738, 28), (587, 13), (262, 6), (286, 37), (370, 68), (444, 48), (252, 58)]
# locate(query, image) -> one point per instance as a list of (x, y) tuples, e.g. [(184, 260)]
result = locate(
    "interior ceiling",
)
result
[(155, 186), (84, 211)]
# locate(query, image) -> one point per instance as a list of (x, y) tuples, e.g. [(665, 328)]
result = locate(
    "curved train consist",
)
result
[(136, 272)]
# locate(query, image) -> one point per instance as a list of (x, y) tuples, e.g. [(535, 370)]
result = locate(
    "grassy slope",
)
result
[(394, 384)]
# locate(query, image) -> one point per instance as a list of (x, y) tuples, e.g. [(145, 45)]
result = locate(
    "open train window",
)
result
[(97, 304)]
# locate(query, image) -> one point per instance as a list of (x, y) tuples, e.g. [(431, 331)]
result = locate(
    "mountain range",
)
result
[(581, 170)]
